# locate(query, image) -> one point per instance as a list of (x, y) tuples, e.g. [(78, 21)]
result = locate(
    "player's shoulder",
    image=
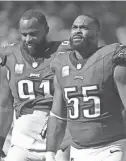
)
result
[(64, 46), (9, 48), (109, 52), (119, 56), (8, 45), (61, 56), (63, 49), (111, 47), (115, 52), (108, 49), (6, 51)]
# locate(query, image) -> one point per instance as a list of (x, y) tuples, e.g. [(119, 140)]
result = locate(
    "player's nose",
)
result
[(28, 39), (78, 30)]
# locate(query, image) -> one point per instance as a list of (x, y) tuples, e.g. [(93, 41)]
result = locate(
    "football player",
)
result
[(26, 84), (89, 95)]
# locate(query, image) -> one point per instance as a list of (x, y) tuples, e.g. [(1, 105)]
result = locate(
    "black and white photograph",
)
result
[(62, 80)]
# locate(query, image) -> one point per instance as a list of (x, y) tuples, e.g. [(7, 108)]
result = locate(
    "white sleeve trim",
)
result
[(8, 75), (54, 115)]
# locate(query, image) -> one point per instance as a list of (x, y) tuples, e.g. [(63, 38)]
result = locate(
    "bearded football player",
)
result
[(26, 85), (89, 95)]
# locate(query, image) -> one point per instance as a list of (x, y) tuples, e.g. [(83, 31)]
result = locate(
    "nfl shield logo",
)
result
[(19, 68), (65, 71), (79, 66), (35, 64)]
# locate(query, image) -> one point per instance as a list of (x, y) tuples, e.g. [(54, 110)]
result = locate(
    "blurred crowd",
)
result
[(60, 15)]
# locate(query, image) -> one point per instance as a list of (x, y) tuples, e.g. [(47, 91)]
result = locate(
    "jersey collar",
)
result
[(31, 60), (75, 61)]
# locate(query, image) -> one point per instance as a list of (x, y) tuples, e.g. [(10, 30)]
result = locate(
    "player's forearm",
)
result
[(55, 133), (6, 117)]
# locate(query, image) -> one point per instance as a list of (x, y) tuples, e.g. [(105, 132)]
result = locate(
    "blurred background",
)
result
[(60, 15)]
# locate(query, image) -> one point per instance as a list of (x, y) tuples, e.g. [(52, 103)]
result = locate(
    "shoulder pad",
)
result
[(5, 51), (8, 45), (119, 57)]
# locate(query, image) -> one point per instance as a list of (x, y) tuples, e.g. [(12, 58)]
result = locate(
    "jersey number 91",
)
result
[(30, 93)]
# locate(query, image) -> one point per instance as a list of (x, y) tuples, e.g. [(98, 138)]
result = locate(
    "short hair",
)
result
[(36, 14), (96, 21)]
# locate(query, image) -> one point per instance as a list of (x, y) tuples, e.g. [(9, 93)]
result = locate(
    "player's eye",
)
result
[(74, 27), (33, 34), (84, 27)]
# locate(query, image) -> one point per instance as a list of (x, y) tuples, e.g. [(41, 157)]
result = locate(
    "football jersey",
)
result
[(94, 108), (30, 82)]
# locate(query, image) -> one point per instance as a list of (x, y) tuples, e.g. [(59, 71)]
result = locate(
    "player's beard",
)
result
[(80, 45), (35, 50)]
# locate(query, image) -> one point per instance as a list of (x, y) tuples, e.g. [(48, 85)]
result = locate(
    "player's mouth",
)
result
[(77, 37), (30, 45)]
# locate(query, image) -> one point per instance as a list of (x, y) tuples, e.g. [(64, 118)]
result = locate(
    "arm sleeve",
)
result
[(6, 103), (56, 125)]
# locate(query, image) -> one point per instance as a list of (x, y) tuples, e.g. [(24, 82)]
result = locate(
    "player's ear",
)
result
[(98, 34), (47, 29)]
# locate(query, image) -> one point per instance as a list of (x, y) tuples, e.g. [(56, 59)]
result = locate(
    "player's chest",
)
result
[(85, 76), (20, 71), (29, 80)]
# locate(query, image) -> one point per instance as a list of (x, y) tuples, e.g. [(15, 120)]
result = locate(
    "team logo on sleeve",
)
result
[(65, 71), (122, 53), (19, 68), (119, 57)]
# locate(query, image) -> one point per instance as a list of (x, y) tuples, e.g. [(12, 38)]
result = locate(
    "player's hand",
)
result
[(2, 156), (50, 156)]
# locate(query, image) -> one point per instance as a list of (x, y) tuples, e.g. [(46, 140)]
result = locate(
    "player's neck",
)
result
[(40, 51), (86, 52)]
